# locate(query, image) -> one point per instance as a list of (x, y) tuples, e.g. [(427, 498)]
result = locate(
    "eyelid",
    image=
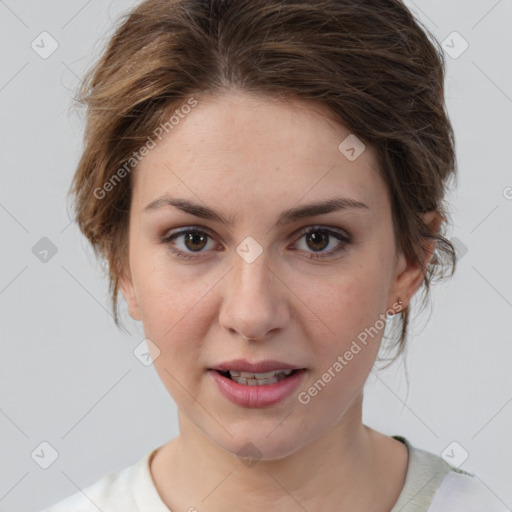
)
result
[(173, 233), (299, 232), (323, 227)]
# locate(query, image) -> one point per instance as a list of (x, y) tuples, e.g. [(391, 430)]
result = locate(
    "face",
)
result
[(303, 288)]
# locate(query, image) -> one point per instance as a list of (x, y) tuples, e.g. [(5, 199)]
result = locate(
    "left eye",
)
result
[(317, 238)]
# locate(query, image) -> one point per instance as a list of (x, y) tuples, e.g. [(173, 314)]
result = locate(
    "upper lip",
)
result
[(241, 365)]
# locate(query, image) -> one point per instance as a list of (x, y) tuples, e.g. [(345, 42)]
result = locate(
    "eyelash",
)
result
[(344, 241)]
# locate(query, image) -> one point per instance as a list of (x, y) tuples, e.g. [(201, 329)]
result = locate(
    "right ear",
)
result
[(128, 291)]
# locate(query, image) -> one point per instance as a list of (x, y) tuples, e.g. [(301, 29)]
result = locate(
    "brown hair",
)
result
[(376, 68)]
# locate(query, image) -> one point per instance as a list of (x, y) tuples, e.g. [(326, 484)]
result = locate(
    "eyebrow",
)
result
[(287, 217)]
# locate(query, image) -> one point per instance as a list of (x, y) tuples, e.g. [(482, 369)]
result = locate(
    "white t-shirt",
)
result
[(431, 485)]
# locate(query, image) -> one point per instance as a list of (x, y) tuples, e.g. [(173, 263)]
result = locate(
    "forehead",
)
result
[(250, 150)]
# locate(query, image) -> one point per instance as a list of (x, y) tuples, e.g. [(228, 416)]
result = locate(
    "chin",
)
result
[(256, 444)]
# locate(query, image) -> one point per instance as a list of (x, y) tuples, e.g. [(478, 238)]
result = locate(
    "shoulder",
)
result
[(433, 485), (464, 492), (113, 492)]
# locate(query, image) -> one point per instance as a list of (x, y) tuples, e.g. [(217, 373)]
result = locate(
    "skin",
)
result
[(249, 158)]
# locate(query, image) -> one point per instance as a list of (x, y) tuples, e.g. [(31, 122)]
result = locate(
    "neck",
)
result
[(331, 471)]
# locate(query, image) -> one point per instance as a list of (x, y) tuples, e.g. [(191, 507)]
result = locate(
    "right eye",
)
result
[(194, 240)]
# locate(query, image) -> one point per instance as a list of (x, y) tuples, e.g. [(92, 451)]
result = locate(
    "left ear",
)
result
[(409, 276)]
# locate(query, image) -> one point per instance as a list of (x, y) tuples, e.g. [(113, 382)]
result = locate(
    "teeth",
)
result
[(259, 379), (266, 375)]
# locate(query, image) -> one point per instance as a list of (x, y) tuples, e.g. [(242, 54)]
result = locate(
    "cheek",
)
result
[(165, 293), (176, 314), (347, 341), (345, 357), (350, 301)]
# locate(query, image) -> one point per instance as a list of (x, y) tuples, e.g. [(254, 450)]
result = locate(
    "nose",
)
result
[(254, 300)]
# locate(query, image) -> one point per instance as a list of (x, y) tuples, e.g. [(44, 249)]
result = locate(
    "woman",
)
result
[(266, 181)]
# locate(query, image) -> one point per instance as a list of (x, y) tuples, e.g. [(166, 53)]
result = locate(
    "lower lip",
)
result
[(257, 396)]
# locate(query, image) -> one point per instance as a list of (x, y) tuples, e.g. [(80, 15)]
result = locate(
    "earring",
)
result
[(399, 302)]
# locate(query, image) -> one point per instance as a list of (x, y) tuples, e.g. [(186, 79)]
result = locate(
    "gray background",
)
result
[(68, 377)]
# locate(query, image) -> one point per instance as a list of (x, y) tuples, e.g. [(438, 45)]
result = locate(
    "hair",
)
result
[(376, 68)]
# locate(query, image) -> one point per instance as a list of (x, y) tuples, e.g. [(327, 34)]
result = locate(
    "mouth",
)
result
[(251, 390)]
